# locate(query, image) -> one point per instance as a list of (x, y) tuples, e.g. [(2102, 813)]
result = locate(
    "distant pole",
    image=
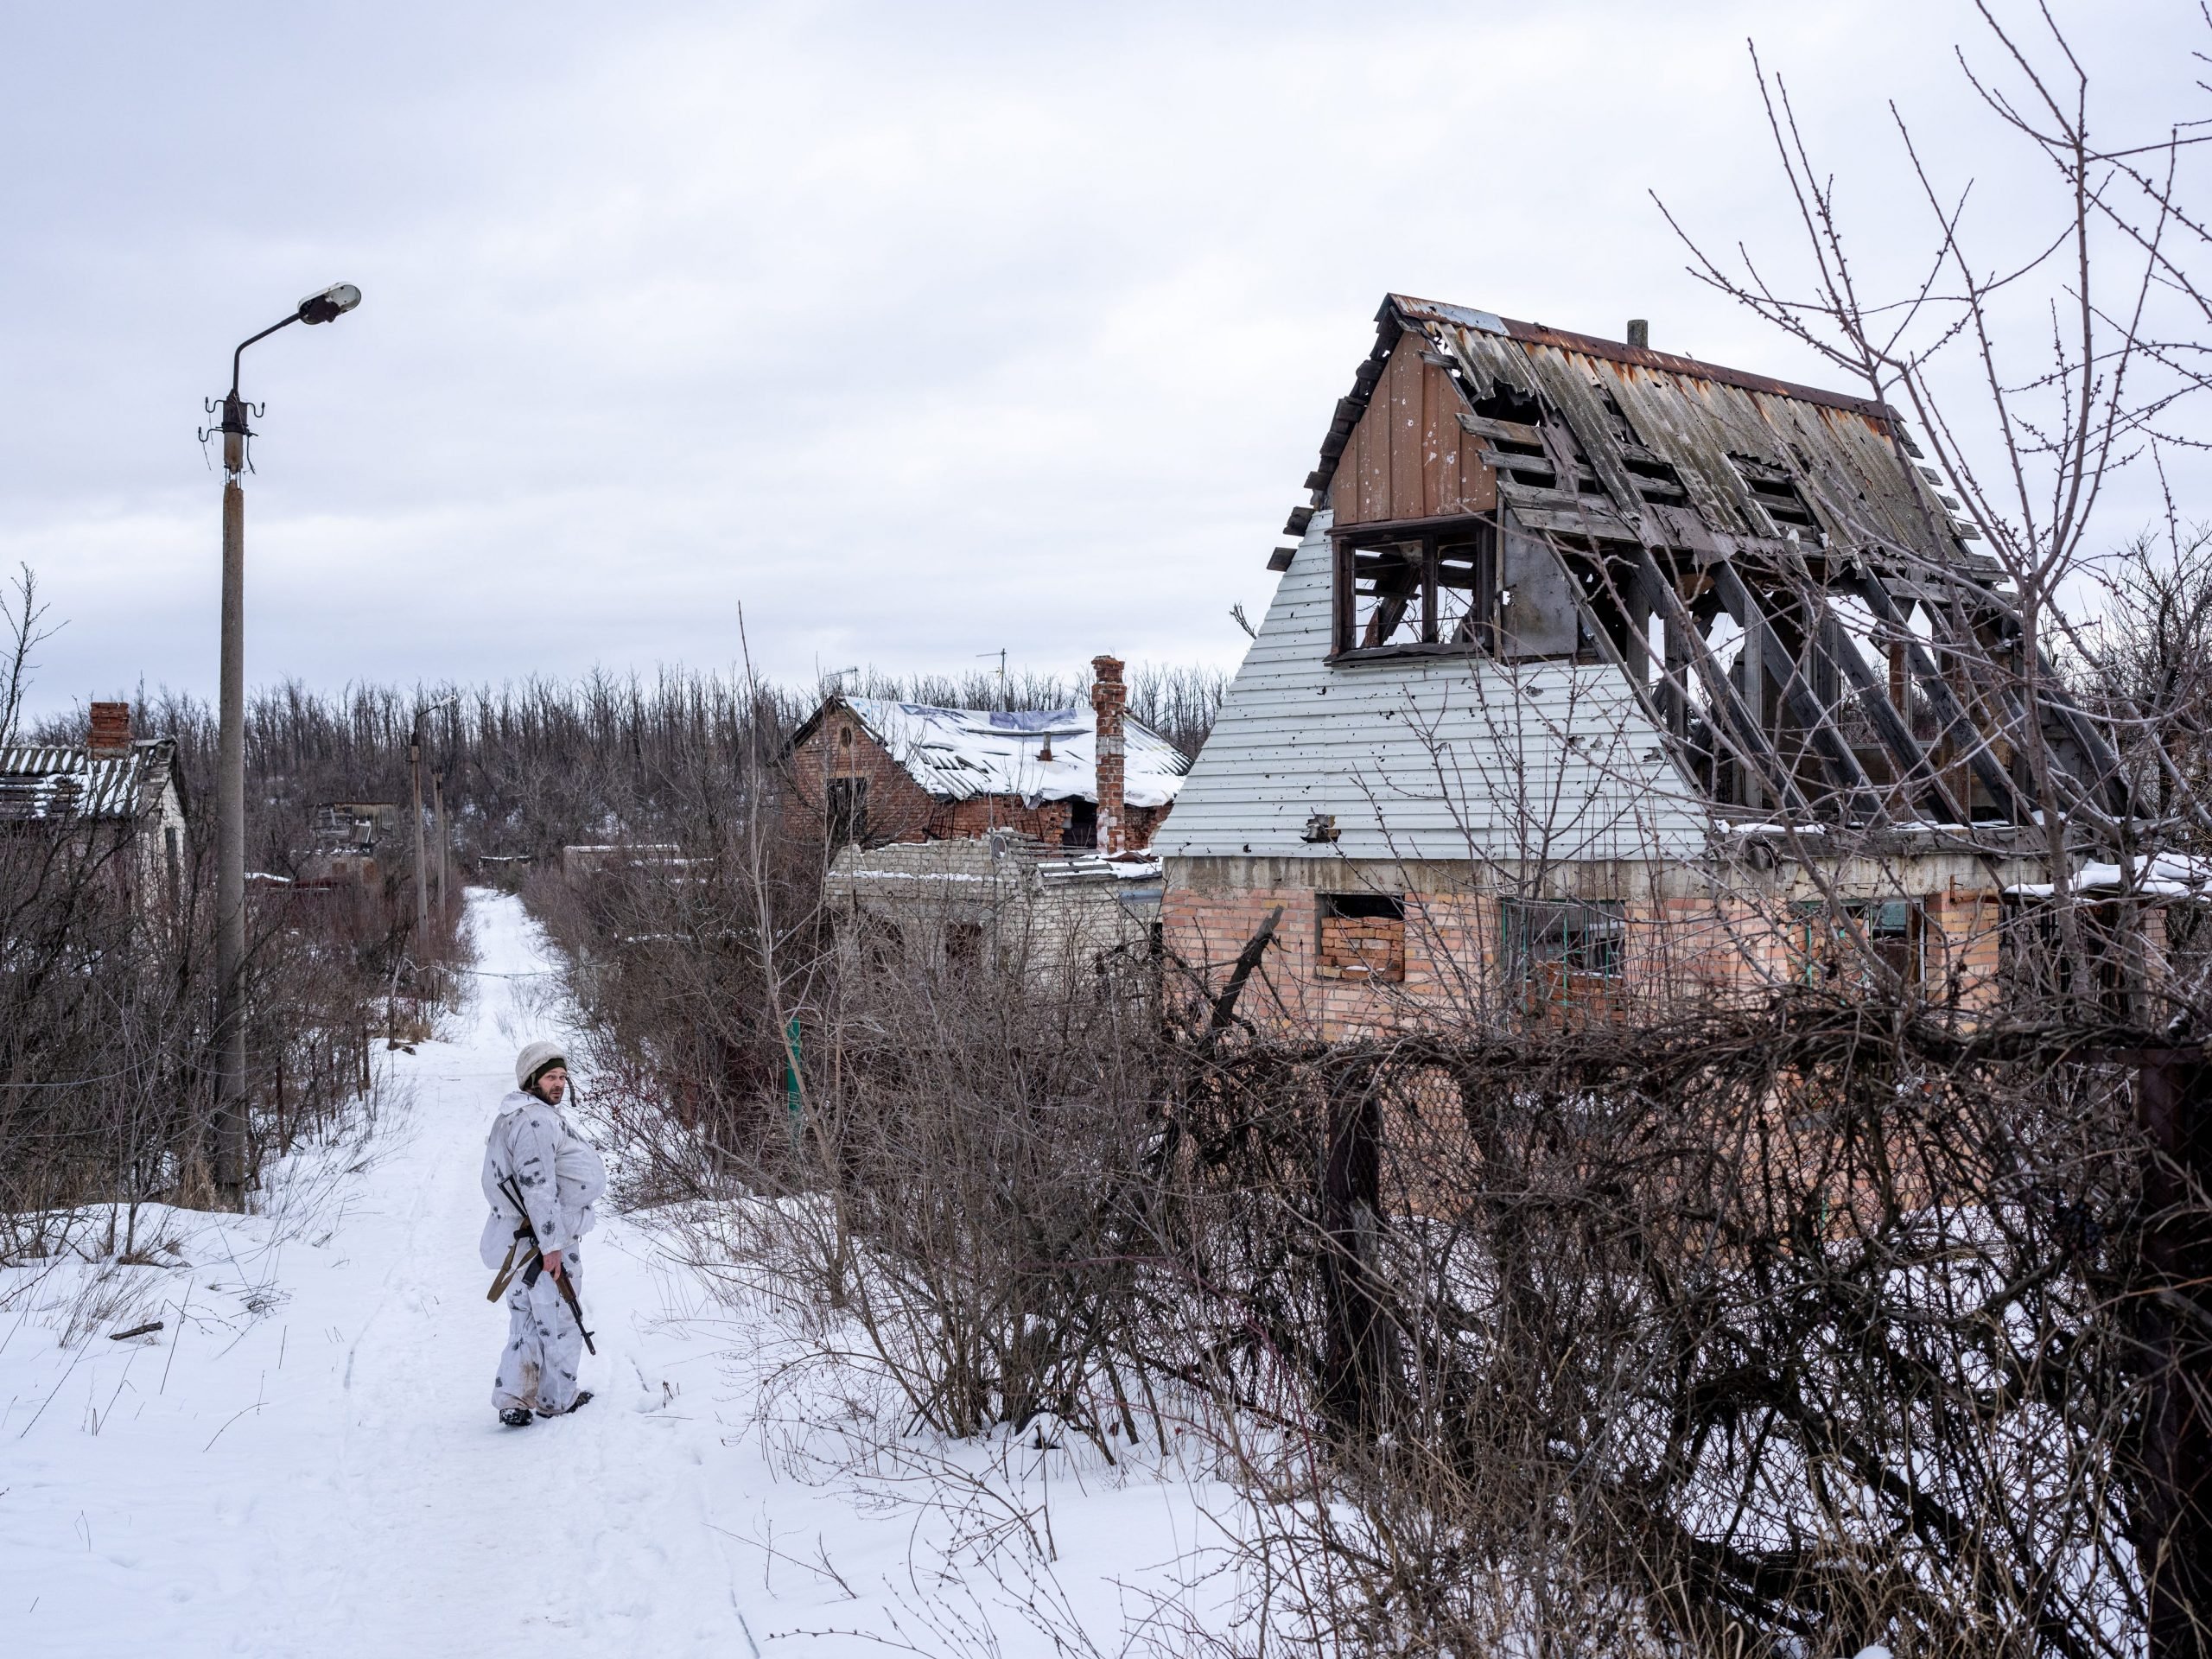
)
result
[(229, 1124), (445, 841), (421, 864)]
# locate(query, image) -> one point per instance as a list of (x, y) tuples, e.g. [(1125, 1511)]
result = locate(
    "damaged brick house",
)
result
[(968, 833), (121, 798), (1575, 635)]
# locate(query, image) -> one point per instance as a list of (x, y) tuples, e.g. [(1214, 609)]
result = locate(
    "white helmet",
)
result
[(534, 1060)]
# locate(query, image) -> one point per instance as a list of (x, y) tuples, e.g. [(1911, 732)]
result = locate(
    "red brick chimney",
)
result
[(1107, 694), (111, 729)]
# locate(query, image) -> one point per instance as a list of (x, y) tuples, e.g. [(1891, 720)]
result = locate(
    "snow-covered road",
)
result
[(304, 1460)]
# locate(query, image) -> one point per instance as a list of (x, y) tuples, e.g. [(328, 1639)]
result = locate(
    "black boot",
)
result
[(583, 1399), (516, 1417)]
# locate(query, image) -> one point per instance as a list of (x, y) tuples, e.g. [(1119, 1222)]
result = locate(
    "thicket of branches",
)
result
[(106, 997), (107, 1005)]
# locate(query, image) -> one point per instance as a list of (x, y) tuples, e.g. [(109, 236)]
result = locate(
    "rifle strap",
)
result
[(507, 1266)]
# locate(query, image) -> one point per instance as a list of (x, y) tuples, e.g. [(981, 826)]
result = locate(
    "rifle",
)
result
[(512, 1190)]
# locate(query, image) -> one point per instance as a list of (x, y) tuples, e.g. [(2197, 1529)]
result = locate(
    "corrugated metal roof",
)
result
[(954, 753), (1739, 443), (54, 781)]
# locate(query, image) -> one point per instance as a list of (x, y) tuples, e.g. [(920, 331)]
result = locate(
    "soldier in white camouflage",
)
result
[(533, 1152)]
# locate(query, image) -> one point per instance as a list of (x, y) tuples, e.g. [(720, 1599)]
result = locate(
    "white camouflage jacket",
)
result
[(560, 1177)]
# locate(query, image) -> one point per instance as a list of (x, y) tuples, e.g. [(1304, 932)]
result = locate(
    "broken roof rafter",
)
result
[(1772, 489)]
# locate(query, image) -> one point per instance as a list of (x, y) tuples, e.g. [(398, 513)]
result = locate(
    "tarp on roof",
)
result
[(958, 753)]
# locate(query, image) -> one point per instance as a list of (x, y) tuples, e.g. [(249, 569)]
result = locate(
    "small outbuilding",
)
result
[(113, 789)]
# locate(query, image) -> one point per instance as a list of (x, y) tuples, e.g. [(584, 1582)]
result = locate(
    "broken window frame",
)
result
[(1896, 930), (1586, 937), (1430, 543)]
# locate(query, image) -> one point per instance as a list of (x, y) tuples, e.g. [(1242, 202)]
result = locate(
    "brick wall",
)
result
[(898, 808), (1441, 964), (1361, 947)]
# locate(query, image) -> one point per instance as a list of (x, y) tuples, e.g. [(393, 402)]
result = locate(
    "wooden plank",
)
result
[(1600, 523), (1957, 728), (1374, 439), (1407, 373), (1441, 435), (1504, 431), (1477, 484)]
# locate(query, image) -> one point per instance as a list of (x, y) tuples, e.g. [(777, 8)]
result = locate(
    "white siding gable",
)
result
[(1424, 757)]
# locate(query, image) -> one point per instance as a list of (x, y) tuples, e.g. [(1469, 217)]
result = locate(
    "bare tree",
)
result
[(25, 616)]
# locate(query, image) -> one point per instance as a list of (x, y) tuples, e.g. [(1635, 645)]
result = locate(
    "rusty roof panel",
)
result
[(1819, 453)]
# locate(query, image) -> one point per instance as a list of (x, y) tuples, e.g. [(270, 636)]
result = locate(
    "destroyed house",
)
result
[(994, 839), (1572, 634), (879, 771)]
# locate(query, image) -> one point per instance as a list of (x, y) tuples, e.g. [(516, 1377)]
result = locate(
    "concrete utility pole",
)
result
[(445, 840), (422, 853), (230, 766), (422, 865)]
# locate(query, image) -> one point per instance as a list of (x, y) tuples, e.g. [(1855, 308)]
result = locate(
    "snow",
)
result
[(964, 752), (304, 1459), (2162, 876)]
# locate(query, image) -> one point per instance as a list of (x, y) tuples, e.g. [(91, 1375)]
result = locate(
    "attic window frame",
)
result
[(1431, 534)]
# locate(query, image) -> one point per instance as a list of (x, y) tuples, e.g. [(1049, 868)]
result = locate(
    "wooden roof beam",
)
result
[(1963, 735), (1603, 457)]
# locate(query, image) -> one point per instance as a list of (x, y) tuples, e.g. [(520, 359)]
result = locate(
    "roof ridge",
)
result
[(1538, 334)]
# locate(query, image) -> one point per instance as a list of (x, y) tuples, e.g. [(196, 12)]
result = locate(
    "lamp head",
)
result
[(333, 301)]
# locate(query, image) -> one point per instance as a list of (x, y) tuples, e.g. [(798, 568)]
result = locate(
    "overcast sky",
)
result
[(917, 331)]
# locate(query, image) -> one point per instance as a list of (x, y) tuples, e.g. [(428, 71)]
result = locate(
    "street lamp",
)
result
[(230, 763)]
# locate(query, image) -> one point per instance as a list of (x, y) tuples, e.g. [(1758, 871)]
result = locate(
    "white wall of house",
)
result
[(1420, 757)]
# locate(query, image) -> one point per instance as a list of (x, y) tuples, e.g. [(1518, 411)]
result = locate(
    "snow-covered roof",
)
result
[(53, 780), (958, 753), (2162, 876)]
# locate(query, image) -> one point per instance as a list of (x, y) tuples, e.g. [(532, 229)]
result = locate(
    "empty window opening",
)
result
[(1435, 589), (964, 944), (847, 811), (2034, 961), (1561, 937), (1361, 936), (1896, 934), (1082, 830), (885, 942)]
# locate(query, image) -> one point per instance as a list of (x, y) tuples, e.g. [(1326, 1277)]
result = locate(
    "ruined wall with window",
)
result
[(1369, 948)]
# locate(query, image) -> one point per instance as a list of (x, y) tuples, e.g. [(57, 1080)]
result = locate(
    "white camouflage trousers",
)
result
[(537, 1368)]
